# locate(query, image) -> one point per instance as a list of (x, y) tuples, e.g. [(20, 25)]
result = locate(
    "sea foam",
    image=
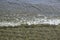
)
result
[(37, 21)]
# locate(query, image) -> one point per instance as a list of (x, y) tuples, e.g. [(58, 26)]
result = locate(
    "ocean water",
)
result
[(17, 12)]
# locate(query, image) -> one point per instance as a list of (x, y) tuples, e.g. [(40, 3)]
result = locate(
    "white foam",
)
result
[(52, 21), (9, 24), (45, 21), (37, 21)]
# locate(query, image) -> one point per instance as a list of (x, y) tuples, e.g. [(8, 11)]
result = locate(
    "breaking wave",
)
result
[(35, 21)]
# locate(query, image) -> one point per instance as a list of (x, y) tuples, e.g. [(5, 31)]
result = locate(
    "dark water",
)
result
[(17, 10)]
